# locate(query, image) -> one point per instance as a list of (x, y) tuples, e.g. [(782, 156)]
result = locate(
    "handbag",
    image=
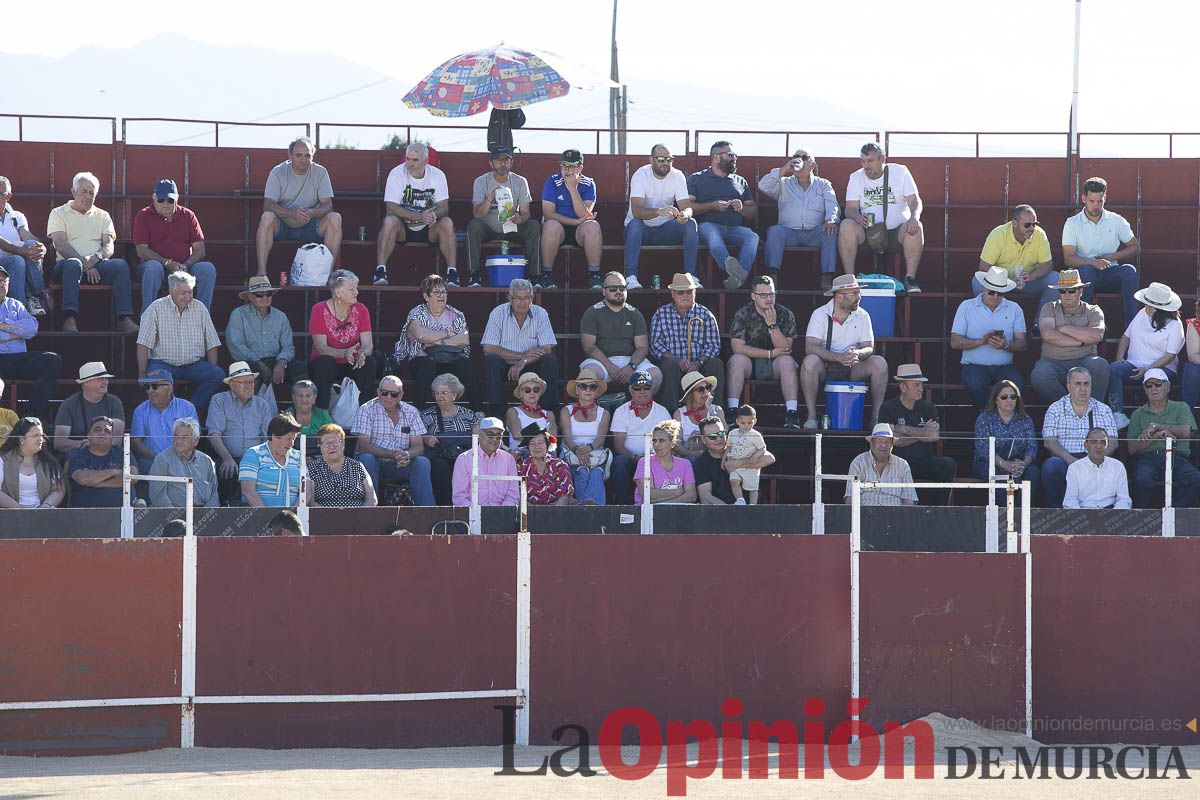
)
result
[(877, 238), (344, 403), (599, 457), (444, 353), (449, 450)]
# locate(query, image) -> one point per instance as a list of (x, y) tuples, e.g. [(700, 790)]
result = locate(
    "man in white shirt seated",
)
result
[(1097, 481)]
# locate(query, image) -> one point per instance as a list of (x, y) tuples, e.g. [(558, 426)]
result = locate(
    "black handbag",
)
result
[(444, 353)]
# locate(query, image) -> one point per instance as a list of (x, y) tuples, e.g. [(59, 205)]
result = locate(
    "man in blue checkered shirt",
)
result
[(684, 338)]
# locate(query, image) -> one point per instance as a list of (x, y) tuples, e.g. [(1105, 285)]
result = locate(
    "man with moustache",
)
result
[(660, 213), (724, 206), (500, 202), (864, 197)]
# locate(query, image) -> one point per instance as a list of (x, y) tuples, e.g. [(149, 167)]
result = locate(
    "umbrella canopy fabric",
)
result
[(504, 77)]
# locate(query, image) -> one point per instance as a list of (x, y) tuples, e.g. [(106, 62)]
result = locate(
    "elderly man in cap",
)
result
[(1153, 340), (724, 208), (839, 345), (880, 464), (631, 424), (96, 471), (1065, 427), (808, 214), (21, 254), (1150, 427), (988, 329), (568, 198), (1022, 249), (659, 213), (685, 337), (761, 338), (417, 201), (178, 336), (298, 204), (168, 238), (93, 399), (237, 421), (1071, 331), (389, 440), (17, 327), (914, 421), (84, 236), (492, 461), (1097, 481), (153, 425), (262, 336), (500, 209), (1100, 244), (518, 338)]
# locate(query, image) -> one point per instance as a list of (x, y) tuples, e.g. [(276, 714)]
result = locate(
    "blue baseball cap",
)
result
[(157, 376), (641, 378), (165, 189)]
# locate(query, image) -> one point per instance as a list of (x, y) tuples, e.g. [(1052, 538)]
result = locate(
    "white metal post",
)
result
[(992, 519), (126, 494), (1027, 555), (818, 509), (1010, 544), (302, 505), (855, 550), (475, 515), (1168, 513), (187, 673), (647, 507), (524, 550)]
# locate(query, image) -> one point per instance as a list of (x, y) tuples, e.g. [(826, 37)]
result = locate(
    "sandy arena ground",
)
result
[(456, 773)]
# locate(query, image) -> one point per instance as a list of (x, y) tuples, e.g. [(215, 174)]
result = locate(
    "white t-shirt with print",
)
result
[(416, 194), (869, 193)]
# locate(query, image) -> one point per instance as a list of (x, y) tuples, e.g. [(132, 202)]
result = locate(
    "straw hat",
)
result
[(528, 377), (238, 369), (93, 370), (881, 429), (996, 279), (843, 283), (257, 285), (683, 282), (587, 376), (909, 372), (1160, 296), (1069, 279), (694, 379)]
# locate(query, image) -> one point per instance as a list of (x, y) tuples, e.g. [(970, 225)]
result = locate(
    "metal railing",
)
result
[(409, 127), (20, 118), (216, 132)]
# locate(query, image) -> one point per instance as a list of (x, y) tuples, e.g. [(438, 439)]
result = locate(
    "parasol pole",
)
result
[(614, 93), (1073, 134)]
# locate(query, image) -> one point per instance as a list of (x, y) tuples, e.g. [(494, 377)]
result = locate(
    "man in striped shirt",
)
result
[(178, 336), (519, 338), (879, 464)]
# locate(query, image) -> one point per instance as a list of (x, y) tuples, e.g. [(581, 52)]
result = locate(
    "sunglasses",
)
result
[(586, 387), (170, 201), (1153, 384), (1028, 224), (532, 389), (614, 288), (150, 387), (715, 436), (262, 294), (803, 158), (640, 388), (388, 393), (1006, 397), (702, 389), (990, 293), (1068, 291), (729, 153), (664, 159)]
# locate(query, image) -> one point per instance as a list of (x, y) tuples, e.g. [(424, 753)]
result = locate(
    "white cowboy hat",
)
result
[(1158, 295), (996, 279)]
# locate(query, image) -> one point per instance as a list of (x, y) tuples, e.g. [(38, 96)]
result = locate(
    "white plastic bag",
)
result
[(343, 403), (312, 265)]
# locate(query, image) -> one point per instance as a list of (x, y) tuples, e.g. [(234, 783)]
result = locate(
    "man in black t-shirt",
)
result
[(712, 479), (915, 422)]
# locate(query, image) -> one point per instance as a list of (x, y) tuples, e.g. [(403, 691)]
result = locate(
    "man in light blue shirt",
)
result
[(989, 329), (153, 426), (808, 214), (1099, 244), (262, 336)]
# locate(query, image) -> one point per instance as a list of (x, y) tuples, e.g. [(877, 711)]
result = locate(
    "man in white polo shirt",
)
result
[(660, 212), (1100, 244), (839, 345)]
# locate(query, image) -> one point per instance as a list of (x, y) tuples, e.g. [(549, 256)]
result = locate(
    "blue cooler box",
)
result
[(503, 269), (879, 300), (844, 403)]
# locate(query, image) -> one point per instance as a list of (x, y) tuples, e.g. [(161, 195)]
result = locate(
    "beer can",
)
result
[(283, 278), (871, 217), (656, 282), (503, 247), (825, 422), (362, 233)]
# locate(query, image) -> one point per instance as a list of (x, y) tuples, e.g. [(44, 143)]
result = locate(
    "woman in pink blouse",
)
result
[(547, 479), (342, 345), (671, 476), (435, 341)]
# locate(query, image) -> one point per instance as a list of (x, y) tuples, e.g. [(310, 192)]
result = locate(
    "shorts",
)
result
[(748, 476), (893, 244), (310, 232), (569, 235), (763, 369), (837, 372), (620, 361), (418, 236)]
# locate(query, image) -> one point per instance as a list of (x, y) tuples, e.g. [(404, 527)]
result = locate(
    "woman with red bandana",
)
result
[(697, 399), (584, 425), (530, 388)]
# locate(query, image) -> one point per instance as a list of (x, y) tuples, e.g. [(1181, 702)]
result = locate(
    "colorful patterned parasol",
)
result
[(504, 77)]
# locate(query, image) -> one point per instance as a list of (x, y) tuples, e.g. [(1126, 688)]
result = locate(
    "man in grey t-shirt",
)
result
[(500, 207), (298, 204)]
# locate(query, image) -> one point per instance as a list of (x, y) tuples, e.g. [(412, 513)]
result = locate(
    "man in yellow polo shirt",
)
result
[(1021, 247)]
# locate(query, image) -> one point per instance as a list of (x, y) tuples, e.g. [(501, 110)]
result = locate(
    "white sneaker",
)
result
[(33, 304), (1121, 421), (741, 501), (631, 282)]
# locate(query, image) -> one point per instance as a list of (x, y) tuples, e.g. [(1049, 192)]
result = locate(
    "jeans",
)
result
[(1054, 481), (1119, 375), (1046, 286), (113, 271), (1032, 473), (638, 233), (980, 378), (621, 476), (1149, 469), (1122, 279), (40, 367), (416, 473), (495, 372), (1191, 383), (24, 276), (716, 237), (589, 484), (153, 276), (207, 377), (779, 237), (1049, 376)]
